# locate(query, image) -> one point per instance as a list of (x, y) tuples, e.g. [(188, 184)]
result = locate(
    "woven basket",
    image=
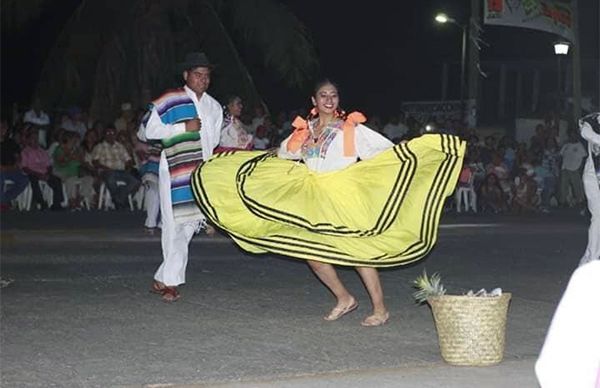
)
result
[(471, 330)]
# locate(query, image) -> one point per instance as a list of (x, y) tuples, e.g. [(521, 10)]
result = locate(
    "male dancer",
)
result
[(188, 122)]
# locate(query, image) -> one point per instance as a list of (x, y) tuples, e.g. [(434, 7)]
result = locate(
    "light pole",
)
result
[(560, 48), (442, 18)]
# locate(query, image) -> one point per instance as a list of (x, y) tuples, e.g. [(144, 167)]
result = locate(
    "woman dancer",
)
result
[(380, 212)]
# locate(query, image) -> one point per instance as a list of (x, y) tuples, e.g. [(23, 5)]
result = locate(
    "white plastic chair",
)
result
[(22, 199), (465, 195)]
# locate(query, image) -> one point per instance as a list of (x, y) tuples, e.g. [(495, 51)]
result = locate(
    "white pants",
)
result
[(592, 192), (570, 357), (151, 199), (175, 237)]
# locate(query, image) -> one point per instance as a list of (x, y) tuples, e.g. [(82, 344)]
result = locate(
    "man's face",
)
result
[(197, 79), (110, 135)]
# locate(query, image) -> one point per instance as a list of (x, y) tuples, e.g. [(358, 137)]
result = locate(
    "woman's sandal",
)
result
[(339, 312), (170, 294), (376, 320)]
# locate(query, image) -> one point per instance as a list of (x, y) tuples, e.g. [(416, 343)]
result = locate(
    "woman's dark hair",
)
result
[(231, 98), (323, 82), (227, 117)]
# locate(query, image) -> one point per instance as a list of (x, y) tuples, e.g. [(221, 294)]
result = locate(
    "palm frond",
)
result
[(279, 35), (16, 13)]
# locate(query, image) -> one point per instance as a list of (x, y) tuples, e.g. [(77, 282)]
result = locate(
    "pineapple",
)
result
[(428, 286)]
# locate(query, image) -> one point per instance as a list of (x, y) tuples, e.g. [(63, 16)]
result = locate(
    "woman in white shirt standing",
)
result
[(233, 134)]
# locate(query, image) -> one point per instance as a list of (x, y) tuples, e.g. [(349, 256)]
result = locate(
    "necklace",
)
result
[(318, 131)]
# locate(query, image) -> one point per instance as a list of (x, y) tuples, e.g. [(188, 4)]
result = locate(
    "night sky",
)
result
[(380, 52)]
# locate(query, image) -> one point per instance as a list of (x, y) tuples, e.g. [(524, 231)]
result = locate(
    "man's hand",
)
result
[(193, 125)]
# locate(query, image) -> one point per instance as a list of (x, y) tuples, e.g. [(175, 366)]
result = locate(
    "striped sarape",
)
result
[(182, 151), (381, 212), (175, 106)]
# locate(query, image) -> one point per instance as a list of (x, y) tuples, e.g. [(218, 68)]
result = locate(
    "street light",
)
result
[(561, 48), (442, 18)]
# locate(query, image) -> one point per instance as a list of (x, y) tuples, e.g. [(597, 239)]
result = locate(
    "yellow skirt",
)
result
[(382, 212)]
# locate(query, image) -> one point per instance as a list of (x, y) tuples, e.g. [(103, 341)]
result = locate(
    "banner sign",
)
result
[(441, 111), (555, 16)]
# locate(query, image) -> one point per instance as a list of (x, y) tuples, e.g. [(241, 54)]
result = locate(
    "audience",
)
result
[(506, 176)]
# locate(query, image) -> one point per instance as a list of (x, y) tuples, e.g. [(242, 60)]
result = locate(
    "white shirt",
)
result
[(234, 135), (330, 153), (261, 143), (209, 112), (256, 122), (40, 119), (572, 156)]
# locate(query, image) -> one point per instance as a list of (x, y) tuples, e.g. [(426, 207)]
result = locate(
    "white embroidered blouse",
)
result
[(326, 153)]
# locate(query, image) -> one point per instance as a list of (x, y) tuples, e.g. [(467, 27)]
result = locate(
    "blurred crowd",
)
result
[(71, 160)]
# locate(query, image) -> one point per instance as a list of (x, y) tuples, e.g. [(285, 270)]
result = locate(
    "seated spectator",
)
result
[(259, 118), (75, 122), (551, 157), (148, 154), (538, 140), (262, 137), (124, 138), (9, 168), (546, 184), (39, 121), (522, 154), (465, 187), (113, 161), (98, 130), (127, 115), (87, 167), (499, 169), (510, 154), (524, 197), (477, 167), (68, 159), (491, 196), (38, 167), (56, 135)]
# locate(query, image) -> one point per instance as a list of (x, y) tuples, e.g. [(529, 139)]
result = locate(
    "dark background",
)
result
[(379, 52)]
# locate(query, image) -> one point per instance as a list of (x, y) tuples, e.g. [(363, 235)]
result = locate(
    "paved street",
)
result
[(77, 311)]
